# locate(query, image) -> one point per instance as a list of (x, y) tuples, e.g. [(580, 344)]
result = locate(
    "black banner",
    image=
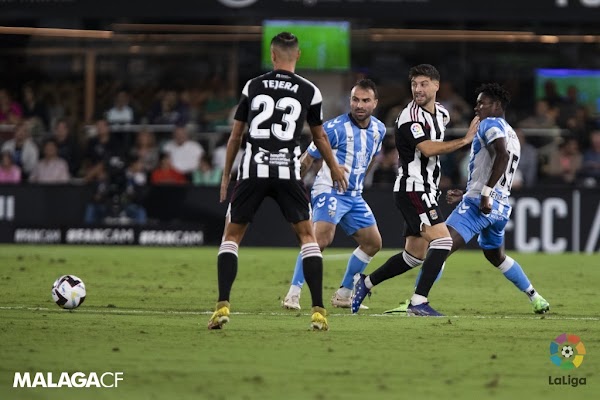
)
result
[(544, 220), (116, 235), (392, 10)]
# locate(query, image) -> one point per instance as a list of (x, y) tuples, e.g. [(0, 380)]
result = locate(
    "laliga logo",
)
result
[(237, 3), (566, 351), (76, 380)]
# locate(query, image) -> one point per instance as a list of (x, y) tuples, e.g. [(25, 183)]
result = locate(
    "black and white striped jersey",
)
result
[(275, 106), (417, 173)]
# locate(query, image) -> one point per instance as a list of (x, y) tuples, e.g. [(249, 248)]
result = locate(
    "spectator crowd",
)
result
[(180, 139)]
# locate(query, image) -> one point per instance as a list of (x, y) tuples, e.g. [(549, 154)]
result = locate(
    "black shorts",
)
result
[(290, 195), (418, 208)]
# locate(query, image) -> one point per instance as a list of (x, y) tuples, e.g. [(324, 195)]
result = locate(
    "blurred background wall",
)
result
[(111, 82)]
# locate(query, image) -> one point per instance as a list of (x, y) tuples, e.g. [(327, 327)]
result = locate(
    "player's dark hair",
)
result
[(285, 40), (495, 92), (427, 70), (368, 84)]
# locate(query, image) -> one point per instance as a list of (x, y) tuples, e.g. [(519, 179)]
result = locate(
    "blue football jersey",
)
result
[(353, 147), (481, 160)]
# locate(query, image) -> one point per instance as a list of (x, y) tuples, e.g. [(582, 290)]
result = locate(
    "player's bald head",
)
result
[(285, 46)]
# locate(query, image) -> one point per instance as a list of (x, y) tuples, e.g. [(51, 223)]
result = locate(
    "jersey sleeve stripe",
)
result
[(245, 90)]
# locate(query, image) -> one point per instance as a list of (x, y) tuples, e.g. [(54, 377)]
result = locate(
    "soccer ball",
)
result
[(567, 351), (68, 291)]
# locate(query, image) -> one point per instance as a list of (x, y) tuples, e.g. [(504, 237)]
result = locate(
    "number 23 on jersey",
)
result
[(283, 129)]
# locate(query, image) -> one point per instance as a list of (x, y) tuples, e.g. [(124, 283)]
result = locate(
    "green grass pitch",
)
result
[(147, 309)]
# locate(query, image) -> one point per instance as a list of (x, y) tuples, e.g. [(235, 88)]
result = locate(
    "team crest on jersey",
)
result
[(445, 119), (433, 214), (331, 213), (261, 158), (417, 130)]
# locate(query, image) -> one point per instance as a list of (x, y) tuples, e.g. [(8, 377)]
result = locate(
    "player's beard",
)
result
[(422, 100), (361, 118)]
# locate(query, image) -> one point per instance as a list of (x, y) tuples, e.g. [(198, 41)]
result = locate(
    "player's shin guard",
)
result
[(514, 273), (394, 266), (356, 265), (227, 265), (312, 261), (439, 249)]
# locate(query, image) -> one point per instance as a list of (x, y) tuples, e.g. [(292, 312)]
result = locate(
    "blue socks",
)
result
[(356, 265), (511, 270), (514, 273), (298, 278)]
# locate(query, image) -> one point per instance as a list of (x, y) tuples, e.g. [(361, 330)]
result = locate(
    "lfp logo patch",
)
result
[(417, 130), (567, 351)]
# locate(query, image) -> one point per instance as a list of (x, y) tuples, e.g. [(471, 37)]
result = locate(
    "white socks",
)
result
[(294, 291), (531, 293), (417, 299), (344, 292)]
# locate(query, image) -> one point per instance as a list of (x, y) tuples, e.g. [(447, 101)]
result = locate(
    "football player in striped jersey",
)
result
[(274, 106), (484, 208), (420, 141)]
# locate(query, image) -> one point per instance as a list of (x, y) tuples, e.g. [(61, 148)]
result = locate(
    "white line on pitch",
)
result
[(290, 313), (345, 256)]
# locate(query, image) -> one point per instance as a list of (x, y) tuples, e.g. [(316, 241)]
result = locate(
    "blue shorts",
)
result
[(351, 213), (468, 221)]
